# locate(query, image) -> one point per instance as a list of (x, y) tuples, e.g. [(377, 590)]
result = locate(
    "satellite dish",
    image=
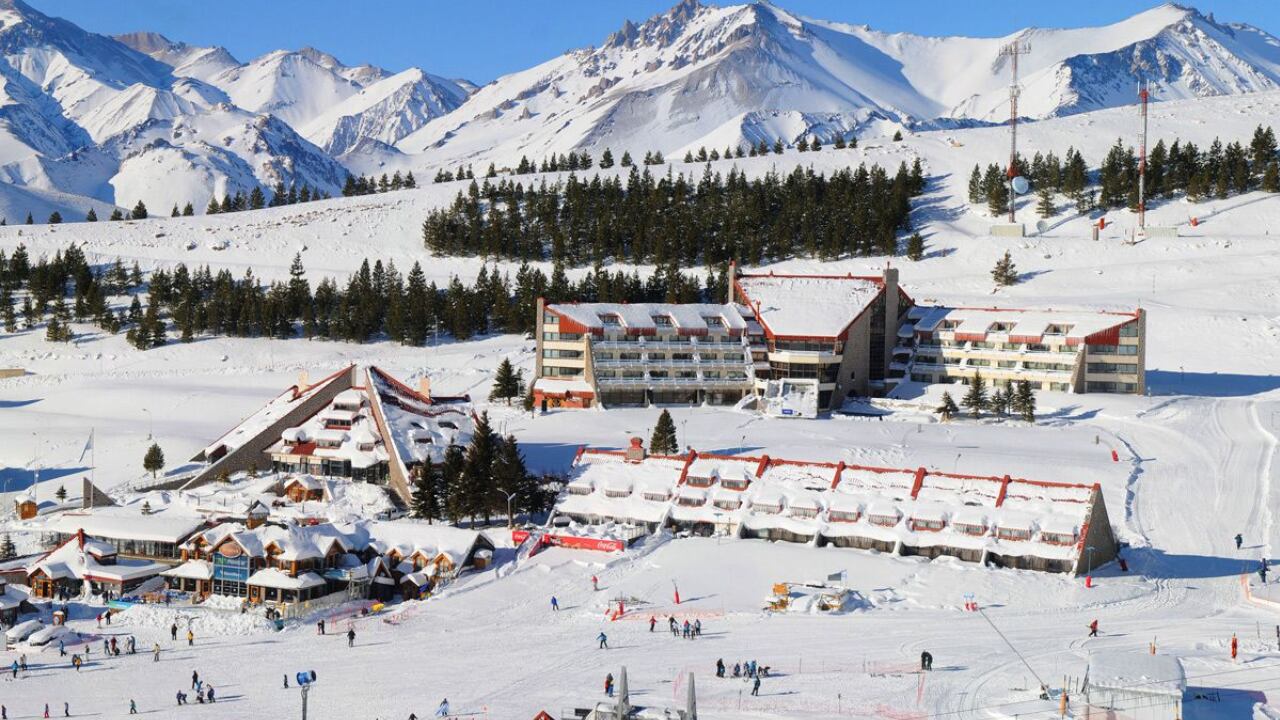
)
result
[(1042, 226), (1020, 185)]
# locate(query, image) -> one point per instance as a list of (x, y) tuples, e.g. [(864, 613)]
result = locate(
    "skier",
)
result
[(685, 630), (1239, 540), (608, 684), (755, 687), (320, 627), (155, 653), (14, 667), (737, 670), (1093, 628), (191, 638), (926, 660), (209, 693), (595, 583), (1235, 646), (697, 627), (286, 681), (652, 622), (604, 641), (66, 709), (195, 679), (62, 649), (351, 637), (100, 615), (1262, 572), (22, 662), (133, 707), (46, 710), (555, 604), (671, 622), (76, 662), (182, 698), (173, 632), (443, 710), (720, 667)]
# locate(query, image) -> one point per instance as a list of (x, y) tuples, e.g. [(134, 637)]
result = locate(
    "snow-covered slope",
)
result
[(693, 76), (386, 111), (701, 75)]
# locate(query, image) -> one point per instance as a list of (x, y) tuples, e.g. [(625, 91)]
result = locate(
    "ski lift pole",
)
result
[(983, 613)]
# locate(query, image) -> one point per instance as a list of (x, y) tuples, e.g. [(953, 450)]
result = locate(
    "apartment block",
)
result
[(1065, 351), (639, 354)]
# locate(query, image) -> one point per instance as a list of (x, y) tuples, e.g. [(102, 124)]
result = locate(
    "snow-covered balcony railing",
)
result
[(843, 516), (691, 497), (724, 501), (700, 481), (883, 515), (580, 487), (1014, 534), (656, 495)]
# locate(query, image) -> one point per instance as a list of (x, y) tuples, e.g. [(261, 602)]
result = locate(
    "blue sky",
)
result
[(483, 39)]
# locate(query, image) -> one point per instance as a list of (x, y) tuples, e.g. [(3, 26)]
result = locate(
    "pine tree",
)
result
[(526, 400), (188, 210), (455, 499), (514, 486), (153, 461), (91, 216), (477, 470), (61, 493), (663, 440), (976, 397), (425, 500), (998, 197), (409, 182), (30, 220), (948, 408), (506, 383), (977, 193), (606, 159), (1005, 272), (777, 147), (1271, 178), (256, 199), (1024, 402), (915, 247), (626, 159), (897, 136), (1001, 399), (1045, 207), (7, 550), (139, 211), (116, 214), (55, 218), (174, 212)]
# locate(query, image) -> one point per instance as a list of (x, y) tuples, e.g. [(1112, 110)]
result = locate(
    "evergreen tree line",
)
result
[(377, 302), (361, 185), (256, 199), (1175, 169), (671, 219), (479, 481), (762, 148)]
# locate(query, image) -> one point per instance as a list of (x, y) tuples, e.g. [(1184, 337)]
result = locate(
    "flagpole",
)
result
[(93, 467)]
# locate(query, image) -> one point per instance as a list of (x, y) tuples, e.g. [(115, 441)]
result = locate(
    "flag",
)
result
[(88, 446)]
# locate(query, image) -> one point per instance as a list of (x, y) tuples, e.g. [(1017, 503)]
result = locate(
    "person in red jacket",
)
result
[(1235, 646), (1093, 628)]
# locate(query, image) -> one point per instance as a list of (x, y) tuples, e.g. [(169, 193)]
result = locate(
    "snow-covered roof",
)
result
[(559, 386), (191, 570), (820, 306), (1070, 324), (806, 489), (689, 317), (1135, 672), (68, 560), (269, 414), (421, 427), (127, 523), (273, 578)]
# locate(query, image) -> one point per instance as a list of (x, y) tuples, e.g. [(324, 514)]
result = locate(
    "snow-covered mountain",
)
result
[(141, 116), (702, 75)]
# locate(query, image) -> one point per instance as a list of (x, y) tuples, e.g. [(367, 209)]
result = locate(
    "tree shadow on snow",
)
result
[(7, 404), (1070, 412), (549, 457), (1176, 382)]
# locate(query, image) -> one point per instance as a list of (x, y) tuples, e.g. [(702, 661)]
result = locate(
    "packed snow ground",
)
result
[(1196, 466)]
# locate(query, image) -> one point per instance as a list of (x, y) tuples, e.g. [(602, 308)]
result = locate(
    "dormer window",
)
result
[(713, 322), (1000, 327), (948, 324), (662, 320), (610, 320), (1057, 329)]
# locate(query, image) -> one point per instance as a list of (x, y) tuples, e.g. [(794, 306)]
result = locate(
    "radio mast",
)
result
[(1013, 50), (1143, 96)]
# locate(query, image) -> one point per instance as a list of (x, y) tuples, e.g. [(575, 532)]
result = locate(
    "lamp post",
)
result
[(305, 678), (1088, 573), (510, 497)]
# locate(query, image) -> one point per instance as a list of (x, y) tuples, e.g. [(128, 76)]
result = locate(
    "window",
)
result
[(661, 320), (1000, 327), (1056, 329), (550, 318), (1037, 347), (1129, 329), (557, 371), (610, 320), (553, 353), (561, 337), (713, 322)]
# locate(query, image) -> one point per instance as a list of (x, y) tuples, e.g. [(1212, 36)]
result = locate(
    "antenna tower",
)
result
[(1013, 50), (1143, 96)]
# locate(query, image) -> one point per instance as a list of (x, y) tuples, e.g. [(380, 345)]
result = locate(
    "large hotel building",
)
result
[(825, 338)]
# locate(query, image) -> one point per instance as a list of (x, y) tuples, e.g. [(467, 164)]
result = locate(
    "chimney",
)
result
[(635, 452), (424, 387), (891, 311)]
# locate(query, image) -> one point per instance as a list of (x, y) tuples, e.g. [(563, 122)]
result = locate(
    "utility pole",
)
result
[(1013, 50), (1143, 96)]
